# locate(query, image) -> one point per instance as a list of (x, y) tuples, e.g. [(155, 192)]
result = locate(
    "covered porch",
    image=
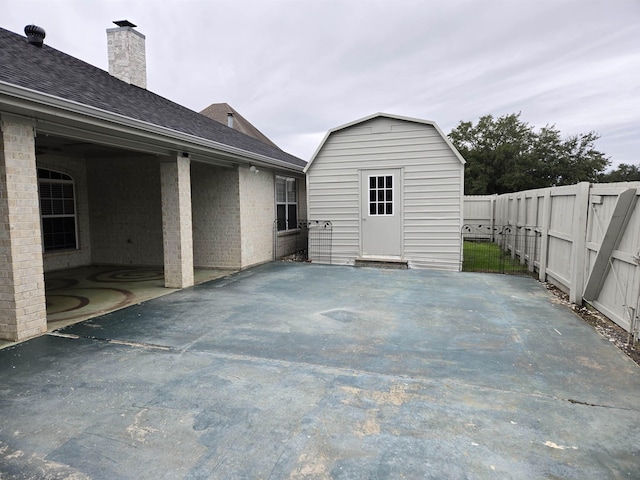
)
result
[(77, 294), (72, 201)]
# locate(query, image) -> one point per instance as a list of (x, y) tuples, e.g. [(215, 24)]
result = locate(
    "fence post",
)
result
[(579, 245), (493, 217), (522, 215), (531, 234), (544, 246)]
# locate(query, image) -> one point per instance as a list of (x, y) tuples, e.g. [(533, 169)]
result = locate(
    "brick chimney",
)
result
[(127, 58)]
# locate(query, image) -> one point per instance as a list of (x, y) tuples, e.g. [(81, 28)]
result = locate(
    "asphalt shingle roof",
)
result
[(52, 72)]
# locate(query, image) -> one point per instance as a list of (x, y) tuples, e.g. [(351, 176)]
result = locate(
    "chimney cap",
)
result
[(124, 23), (35, 35)]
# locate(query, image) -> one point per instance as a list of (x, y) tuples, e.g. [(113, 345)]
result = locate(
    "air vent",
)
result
[(35, 35)]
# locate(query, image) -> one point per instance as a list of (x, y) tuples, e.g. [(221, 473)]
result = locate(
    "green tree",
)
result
[(506, 154), (624, 173)]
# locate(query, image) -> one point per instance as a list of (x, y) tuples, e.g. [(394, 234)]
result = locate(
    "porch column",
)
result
[(23, 311), (175, 176)]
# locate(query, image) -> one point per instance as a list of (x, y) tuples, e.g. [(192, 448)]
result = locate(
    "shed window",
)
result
[(381, 195), (286, 203), (57, 210)]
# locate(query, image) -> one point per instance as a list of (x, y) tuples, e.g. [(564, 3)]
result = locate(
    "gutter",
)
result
[(69, 110)]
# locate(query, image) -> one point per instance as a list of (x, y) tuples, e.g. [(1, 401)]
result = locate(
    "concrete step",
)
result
[(382, 263)]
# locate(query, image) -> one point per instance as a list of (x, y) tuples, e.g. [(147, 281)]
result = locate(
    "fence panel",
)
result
[(613, 254), (479, 209), (587, 241)]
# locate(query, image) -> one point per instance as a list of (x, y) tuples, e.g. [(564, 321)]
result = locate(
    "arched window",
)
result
[(57, 210)]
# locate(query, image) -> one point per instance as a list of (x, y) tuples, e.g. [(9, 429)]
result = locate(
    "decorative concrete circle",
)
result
[(52, 284), (65, 303), (128, 275), (106, 300)]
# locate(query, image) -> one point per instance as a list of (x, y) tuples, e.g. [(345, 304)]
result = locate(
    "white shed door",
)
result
[(381, 231)]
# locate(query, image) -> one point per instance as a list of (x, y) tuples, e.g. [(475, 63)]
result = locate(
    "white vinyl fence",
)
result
[(590, 241), (480, 209)]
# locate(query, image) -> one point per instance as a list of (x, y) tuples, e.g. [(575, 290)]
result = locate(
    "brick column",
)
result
[(23, 312), (177, 232)]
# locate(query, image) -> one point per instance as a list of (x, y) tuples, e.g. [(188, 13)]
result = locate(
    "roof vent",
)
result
[(35, 35)]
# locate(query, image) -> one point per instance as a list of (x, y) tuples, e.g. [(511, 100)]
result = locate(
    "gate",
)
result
[(310, 240), (613, 282), (506, 249)]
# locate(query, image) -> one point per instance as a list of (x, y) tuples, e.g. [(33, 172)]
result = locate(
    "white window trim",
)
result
[(393, 196), (74, 215), (286, 204)]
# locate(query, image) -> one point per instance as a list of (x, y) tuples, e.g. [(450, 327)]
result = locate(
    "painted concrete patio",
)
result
[(80, 293), (304, 371)]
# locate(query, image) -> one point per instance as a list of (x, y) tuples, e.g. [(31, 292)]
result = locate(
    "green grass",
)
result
[(489, 257)]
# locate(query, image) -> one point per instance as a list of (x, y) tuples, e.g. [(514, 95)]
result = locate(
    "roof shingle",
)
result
[(52, 72)]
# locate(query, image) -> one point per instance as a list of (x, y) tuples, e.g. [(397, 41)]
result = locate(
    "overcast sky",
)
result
[(297, 68)]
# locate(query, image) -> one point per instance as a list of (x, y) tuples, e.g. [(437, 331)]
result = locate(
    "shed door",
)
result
[(381, 231)]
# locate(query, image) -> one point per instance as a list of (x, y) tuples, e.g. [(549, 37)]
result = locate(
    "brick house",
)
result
[(96, 169)]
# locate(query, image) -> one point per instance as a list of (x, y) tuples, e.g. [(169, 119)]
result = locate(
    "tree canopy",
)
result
[(624, 173), (506, 154)]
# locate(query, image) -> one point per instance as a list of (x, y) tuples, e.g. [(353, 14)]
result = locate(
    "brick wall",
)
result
[(22, 296), (126, 211), (257, 204), (175, 180), (216, 216)]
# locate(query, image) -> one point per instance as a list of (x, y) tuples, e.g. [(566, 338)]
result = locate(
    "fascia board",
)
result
[(68, 110), (315, 154)]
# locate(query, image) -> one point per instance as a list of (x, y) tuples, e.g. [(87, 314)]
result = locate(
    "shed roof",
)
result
[(62, 77), (387, 115)]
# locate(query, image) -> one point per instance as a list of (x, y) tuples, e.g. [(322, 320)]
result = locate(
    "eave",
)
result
[(58, 116)]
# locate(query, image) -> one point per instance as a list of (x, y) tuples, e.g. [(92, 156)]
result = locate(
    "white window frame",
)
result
[(287, 202), (63, 204), (385, 201)]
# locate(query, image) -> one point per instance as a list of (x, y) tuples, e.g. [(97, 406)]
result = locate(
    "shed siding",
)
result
[(432, 189)]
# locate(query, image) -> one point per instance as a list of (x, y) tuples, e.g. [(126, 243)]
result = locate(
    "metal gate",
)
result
[(309, 241), (506, 249)]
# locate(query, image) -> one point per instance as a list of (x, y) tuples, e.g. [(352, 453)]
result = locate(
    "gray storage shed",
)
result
[(392, 188)]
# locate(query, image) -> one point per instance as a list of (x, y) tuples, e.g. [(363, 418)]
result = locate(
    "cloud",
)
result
[(297, 68)]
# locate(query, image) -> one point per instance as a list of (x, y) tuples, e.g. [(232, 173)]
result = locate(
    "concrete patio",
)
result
[(80, 293), (304, 371)]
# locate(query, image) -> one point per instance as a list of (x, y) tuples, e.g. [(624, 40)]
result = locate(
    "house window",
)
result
[(57, 210), (381, 195), (286, 203)]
